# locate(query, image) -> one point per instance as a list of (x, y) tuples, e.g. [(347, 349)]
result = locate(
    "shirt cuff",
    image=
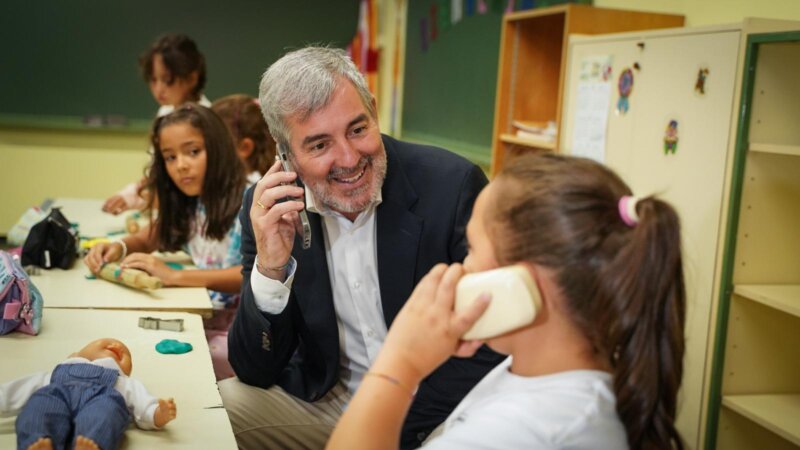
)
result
[(272, 296), (148, 419)]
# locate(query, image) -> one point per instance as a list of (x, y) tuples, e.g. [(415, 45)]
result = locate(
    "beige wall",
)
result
[(709, 12), (37, 164)]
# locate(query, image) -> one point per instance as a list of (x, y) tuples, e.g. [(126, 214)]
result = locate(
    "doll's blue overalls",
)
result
[(80, 400)]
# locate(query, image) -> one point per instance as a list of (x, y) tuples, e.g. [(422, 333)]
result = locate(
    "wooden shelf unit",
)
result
[(777, 413), (532, 63), (783, 297), (755, 390), (526, 142), (792, 150)]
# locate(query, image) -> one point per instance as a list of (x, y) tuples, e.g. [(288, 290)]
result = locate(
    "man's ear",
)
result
[(375, 108)]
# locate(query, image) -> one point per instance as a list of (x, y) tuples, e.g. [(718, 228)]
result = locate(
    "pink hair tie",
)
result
[(627, 210)]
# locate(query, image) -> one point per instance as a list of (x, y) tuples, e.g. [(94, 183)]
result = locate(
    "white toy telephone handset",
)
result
[(515, 300)]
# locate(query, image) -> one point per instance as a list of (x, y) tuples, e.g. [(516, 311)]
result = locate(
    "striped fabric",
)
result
[(79, 401)]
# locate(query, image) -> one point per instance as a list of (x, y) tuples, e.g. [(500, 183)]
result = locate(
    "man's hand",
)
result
[(275, 224)]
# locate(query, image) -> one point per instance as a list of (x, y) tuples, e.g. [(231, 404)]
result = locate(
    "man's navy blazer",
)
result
[(428, 196)]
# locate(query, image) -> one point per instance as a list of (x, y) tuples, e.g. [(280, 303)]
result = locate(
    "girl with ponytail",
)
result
[(601, 364)]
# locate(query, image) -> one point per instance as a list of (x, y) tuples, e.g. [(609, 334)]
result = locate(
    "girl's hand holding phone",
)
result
[(427, 331)]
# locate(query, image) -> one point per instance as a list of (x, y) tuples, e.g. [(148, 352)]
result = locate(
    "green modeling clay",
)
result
[(168, 346)]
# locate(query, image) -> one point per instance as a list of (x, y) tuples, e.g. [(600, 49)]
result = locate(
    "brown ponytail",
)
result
[(623, 285)]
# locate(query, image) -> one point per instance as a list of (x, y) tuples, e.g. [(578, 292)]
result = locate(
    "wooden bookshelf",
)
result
[(777, 413), (792, 150), (785, 298), (527, 142), (532, 63), (755, 392)]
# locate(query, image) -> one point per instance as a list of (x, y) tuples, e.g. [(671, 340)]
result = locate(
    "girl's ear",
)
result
[(192, 79), (245, 148), (542, 277)]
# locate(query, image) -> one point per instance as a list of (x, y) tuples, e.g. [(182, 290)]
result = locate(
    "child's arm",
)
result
[(409, 354), (15, 393), (99, 254), (223, 280), (127, 198)]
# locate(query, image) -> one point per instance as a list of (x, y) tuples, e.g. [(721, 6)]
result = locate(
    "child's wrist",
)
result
[(396, 367)]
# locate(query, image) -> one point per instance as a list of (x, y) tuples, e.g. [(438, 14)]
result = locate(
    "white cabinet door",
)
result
[(692, 178)]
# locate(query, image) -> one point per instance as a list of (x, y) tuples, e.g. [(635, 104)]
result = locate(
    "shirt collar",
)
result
[(108, 362)]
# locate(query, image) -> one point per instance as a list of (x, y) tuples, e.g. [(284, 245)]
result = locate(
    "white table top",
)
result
[(92, 221), (71, 289), (188, 378)]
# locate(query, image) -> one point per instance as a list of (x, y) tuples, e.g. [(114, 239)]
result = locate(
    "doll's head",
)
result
[(108, 348)]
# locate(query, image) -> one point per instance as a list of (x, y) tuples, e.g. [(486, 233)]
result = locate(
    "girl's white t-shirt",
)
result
[(567, 410)]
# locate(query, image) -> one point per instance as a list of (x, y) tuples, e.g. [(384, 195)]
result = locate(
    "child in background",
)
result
[(175, 71), (254, 145), (601, 364), (199, 182)]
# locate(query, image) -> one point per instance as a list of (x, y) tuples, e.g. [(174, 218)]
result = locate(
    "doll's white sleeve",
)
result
[(14, 394), (140, 403)]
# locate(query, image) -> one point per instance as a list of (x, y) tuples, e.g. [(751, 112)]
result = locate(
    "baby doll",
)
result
[(86, 402)]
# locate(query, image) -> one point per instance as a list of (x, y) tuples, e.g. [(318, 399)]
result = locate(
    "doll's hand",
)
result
[(152, 265), (165, 412), (102, 253)]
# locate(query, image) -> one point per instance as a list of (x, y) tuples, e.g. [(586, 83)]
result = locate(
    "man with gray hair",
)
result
[(382, 213)]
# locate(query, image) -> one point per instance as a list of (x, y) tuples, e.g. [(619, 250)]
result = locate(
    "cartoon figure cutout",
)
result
[(700, 84), (671, 137), (625, 86)]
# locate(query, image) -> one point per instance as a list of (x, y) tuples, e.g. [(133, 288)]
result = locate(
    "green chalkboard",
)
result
[(69, 59), (449, 87)]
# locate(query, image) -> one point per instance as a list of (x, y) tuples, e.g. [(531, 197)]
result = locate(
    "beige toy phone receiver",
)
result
[(515, 300)]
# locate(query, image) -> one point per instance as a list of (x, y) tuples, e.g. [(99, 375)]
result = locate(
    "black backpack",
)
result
[(51, 243)]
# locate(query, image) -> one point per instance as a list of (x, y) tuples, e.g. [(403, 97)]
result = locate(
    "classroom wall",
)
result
[(40, 163), (72, 59), (432, 100), (709, 12)]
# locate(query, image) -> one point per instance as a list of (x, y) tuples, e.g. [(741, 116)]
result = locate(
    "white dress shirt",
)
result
[(351, 251), (142, 405)]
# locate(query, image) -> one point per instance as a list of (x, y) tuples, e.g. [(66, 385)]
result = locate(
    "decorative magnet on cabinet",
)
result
[(625, 86), (700, 84), (671, 137)]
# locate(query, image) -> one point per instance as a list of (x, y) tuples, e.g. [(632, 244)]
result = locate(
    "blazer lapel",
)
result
[(399, 232), (312, 284)]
